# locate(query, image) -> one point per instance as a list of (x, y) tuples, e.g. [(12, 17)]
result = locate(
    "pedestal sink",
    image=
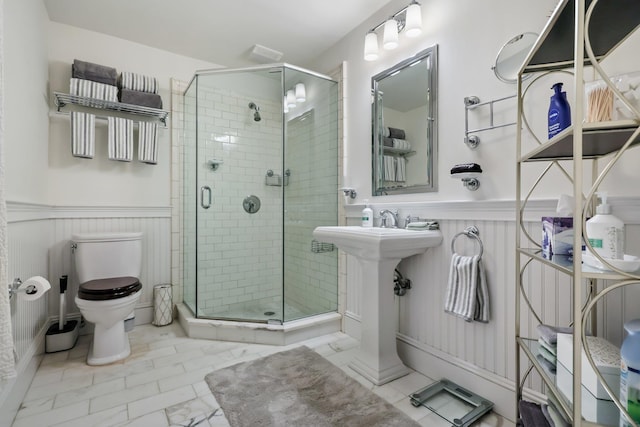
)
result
[(378, 250)]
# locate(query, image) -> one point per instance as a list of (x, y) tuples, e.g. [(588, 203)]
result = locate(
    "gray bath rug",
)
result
[(298, 388)]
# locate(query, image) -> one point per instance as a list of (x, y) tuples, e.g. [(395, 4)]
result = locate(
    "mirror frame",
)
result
[(513, 40), (432, 121)]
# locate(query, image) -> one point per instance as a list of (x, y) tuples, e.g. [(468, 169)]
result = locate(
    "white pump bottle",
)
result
[(367, 215), (605, 231)]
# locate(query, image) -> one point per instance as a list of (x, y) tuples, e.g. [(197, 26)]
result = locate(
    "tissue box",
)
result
[(599, 411), (605, 355), (557, 235)]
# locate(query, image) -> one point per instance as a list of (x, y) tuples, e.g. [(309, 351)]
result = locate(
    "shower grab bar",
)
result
[(202, 191)]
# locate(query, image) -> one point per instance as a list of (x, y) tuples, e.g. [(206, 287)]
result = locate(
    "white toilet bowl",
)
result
[(108, 267), (110, 342)]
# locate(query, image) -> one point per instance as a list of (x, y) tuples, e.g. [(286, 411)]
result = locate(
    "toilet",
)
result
[(108, 266)]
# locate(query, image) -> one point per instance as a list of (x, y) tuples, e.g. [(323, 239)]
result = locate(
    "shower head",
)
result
[(256, 115)]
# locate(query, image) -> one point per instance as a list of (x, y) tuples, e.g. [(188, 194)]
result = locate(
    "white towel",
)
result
[(138, 82), (401, 164), (120, 139), (389, 168), (83, 134), (467, 292), (148, 142)]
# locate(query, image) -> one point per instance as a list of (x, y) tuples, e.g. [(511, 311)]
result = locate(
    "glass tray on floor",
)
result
[(451, 402)]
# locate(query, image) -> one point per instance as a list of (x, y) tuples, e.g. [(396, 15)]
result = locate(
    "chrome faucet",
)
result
[(383, 218)]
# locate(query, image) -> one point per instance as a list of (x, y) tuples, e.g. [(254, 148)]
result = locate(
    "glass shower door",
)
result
[(239, 216)]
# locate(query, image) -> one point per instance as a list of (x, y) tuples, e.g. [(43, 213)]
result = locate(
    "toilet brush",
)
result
[(62, 335), (63, 289)]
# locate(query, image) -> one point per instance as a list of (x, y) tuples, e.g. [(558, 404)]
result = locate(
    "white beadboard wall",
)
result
[(441, 345)]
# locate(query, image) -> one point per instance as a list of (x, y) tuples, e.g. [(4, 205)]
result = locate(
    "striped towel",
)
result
[(95, 90), (138, 82), (148, 142), (83, 134), (120, 139), (467, 291)]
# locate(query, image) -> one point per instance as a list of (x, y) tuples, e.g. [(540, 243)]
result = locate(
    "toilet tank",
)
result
[(104, 255)]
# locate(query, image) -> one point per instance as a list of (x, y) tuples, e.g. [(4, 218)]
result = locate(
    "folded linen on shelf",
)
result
[(135, 97), (94, 72), (148, 142), (91, 89), (83, 134), (467, 292), (549, 333), (139, 82), (120, 139), (394, 133)]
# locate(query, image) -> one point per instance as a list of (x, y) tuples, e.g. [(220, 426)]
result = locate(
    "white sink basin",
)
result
[(378, 252), (379, 243)]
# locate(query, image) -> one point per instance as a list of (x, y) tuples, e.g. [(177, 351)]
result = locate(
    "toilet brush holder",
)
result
[(62, 335), (60, 340)]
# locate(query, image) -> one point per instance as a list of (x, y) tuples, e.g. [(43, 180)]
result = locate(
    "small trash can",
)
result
[(162, 305)]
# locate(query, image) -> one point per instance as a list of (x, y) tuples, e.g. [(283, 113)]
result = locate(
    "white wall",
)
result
[(469, 34)]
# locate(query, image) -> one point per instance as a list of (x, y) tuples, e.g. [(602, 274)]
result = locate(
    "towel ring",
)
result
[(471, 232)]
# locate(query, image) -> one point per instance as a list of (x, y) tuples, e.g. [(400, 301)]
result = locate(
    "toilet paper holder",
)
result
[(14, 288)]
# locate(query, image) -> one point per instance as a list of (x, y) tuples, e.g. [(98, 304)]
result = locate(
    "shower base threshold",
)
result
[(258, 333)]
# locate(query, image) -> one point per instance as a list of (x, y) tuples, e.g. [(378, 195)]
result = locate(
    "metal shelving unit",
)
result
[(609, 23), (63, 99)]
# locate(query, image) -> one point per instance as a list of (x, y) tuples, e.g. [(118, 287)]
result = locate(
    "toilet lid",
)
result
[(111, 288)]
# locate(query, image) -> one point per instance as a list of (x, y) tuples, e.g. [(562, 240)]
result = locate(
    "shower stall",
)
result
[(260, 172)]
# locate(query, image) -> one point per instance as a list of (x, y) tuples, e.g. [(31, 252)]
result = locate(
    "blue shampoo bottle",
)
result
[(559, 111)]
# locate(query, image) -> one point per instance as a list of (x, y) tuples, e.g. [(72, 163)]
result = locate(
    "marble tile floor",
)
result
[(162, 383)]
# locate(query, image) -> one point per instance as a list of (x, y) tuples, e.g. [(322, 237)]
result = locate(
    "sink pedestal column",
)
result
[(377, 358)]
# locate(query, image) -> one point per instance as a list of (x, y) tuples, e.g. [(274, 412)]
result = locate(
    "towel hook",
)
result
[(471, 232)]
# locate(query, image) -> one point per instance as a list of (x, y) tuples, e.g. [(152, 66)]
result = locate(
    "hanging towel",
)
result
[(138, 82), (120, 139), (467, 292), (83, 134), (148, 142), (389, 168), (401, 164), (94, 72)]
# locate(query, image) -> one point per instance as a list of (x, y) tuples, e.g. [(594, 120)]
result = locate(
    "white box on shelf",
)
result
[(606, 357), (599, 411)]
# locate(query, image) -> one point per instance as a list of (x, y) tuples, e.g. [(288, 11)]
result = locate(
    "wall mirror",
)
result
[(512, 55), (404, 126)]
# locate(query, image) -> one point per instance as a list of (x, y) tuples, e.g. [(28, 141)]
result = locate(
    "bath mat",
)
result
[(298, 388)]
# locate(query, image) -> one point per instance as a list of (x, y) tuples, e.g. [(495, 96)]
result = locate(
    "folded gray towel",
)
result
[(531, 415), (388, 142), (395, 133), (94, 72), (550, 333), (145, 99), (548, 366)]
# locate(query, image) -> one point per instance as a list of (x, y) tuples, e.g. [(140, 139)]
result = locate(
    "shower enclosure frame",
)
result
[(286, 223)]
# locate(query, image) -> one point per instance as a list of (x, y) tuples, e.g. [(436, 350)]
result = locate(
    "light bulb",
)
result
[(301, 93), (291, 99), (413, 25), (371, 46), (286, 107), (390, 37)]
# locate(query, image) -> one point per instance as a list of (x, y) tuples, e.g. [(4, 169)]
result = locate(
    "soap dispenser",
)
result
[(367, 215), (559, 111), (605, 231)]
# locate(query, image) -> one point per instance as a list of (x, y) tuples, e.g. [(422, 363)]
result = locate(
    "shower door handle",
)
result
[(207, 189)]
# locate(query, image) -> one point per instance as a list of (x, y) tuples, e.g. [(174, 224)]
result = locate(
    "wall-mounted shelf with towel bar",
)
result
[(473, 102), (398, 152), (63, 99)]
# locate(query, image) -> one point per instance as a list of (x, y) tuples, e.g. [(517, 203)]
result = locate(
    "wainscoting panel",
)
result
[(28, 244)]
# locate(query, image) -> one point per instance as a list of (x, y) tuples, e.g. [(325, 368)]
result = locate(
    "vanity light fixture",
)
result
[(291, 99), (292, 96), (408, 18)]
